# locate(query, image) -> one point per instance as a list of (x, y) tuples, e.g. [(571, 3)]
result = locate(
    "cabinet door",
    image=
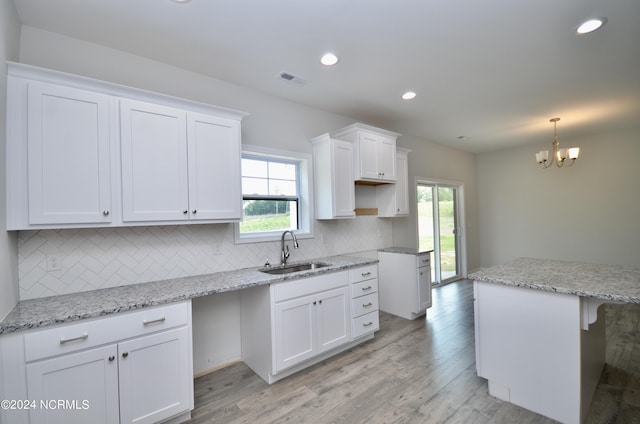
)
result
[(402, 186), (88, 380), (154, 162), (294, 331), (214, 167), (68, 155), (424, 288), (367, 160), (333, 318), (343, 180), (156, 377), (386, 158)]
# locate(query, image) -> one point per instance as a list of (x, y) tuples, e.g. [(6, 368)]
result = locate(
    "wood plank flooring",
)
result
[(412, 372)]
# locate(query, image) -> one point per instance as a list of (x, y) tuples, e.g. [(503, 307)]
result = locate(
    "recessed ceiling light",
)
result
[(329, 59), (409, 95), (591, 25)]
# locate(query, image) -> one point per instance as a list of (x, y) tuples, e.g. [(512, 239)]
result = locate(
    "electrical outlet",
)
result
[(54, 262)]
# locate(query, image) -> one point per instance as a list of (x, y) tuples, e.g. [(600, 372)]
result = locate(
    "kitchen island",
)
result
[(540, 341)]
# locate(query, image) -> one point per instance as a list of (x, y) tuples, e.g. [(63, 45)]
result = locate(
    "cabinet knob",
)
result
[(105, 212), (398, 210), (364, 305), (195, 211), (315, 302), (111, 358), (125, 354), (367, 324), (185, 211)]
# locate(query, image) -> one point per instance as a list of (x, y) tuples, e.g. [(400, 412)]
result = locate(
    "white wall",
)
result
[(589, 212), (9, 44)]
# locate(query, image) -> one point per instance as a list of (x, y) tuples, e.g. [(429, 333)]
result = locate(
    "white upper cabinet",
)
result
[(87, 153), (374, 152), (333, 171), (155, 185), (214, 162), (392, 200), (68, 155)]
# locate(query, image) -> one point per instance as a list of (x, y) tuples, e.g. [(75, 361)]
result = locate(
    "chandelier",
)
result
[(559, 155)]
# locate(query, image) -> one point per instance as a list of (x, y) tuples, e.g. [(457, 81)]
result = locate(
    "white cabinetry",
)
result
[(333, 178), (392, 200), (374, 152), (290, 325), (364, 301), (59, 167), (405, 283), (132, 367), (87, 153), (307, 326), (176, 165)]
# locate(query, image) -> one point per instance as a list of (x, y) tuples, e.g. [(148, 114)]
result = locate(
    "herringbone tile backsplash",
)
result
[(109, 257)]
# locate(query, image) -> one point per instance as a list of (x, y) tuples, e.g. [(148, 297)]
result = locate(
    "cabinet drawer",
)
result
[(89, 333), (364, 304), (365, 324), (364, 287), (365, 273), (423, 260)]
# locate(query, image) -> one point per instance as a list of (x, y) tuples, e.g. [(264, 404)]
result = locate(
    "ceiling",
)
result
[(492, 71)]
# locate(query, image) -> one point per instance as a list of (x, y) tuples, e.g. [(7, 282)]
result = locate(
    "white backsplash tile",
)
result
[(110, 257)]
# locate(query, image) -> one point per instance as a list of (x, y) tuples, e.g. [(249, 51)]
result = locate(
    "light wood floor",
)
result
[(412, 372)]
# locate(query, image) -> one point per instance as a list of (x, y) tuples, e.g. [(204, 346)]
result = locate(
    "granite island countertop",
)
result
[(36, 313), (608, 282), (405, 250)]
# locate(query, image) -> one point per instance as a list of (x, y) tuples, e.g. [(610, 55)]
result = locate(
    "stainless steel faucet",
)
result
[(285, 255)]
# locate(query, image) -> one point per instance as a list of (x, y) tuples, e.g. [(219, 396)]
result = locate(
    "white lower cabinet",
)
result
[(405, 283), (290, 325), (307, 326), (129, 368), (88, 378)]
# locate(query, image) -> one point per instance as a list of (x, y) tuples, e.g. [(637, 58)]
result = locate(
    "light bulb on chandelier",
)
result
[(559, 156)]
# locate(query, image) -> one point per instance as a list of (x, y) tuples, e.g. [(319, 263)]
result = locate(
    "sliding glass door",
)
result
[(438, 229)]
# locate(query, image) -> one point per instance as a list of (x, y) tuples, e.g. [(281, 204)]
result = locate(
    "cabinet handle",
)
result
[(425, 261), (367, 288), (398, 210), (364, 305), (83, 337), (195, 211), (153, 321), (320, 301), (367, 324), (112, 358), (105, 212), (365, 274), (421, 273), (185, 211), (315, 302), (125, 354)]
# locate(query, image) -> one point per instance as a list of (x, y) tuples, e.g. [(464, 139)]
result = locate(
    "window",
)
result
[(275, 195)]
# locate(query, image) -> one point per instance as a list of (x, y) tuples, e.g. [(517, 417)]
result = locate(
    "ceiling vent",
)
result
[(286, 76)]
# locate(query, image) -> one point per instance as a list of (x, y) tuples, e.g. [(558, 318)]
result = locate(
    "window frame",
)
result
[(305, 193)]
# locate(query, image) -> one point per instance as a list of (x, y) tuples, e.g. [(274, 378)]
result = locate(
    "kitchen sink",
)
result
[(294, 268)]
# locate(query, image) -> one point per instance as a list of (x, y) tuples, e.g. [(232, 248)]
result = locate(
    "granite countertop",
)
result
[(609, 282), (404, 250), (35, 313)]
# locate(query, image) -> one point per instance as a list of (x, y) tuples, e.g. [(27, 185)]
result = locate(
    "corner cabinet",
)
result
[(333, 178), (128, 368), (87, 153), (291, 325), (374, 152)]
